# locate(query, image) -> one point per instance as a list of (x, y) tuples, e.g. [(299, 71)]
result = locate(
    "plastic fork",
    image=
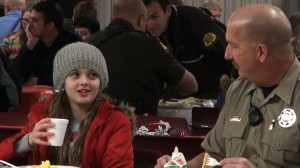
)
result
[(212, 162)]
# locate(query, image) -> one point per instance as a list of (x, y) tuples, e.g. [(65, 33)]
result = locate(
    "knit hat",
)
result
[(78, 55)]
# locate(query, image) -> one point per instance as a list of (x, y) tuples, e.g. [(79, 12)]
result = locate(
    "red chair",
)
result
[(178, 123), (190, 146), (31, 95), (203, 120), (11, 123), (145, 158)]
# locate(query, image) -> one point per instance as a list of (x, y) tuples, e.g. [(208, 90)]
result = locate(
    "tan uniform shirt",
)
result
[(267, 144)]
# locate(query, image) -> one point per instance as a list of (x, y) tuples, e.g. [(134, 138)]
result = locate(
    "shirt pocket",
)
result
[(281, 146), (234, 138)]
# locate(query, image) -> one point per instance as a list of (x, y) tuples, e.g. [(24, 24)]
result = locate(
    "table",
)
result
[(183, 108), (171, 111), (190, 146)]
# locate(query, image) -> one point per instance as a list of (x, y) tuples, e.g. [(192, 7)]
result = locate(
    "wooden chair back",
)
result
[(145, 158)]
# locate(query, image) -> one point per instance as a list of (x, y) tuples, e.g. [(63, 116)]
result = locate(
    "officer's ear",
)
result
[(168, 10), (261, 52), (141, 22)]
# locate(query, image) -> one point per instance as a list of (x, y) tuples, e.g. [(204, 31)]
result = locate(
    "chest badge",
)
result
[(287, 118)]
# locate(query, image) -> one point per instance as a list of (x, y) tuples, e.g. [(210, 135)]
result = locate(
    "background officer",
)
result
[(194, 39)]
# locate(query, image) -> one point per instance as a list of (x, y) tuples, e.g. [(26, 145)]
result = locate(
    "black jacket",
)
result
[(39, 61), (10, 85), (138, 65), (199, 44)]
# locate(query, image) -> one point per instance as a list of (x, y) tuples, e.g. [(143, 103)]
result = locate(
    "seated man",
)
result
[(138, 65), (259, 123), (46, 36)]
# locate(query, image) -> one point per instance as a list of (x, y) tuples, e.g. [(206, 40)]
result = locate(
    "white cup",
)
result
[(59, 131)]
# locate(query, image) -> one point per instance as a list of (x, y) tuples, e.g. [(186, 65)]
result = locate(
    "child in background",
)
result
[(86, 25)]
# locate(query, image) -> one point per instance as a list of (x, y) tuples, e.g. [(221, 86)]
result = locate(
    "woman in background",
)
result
[(295, 23), (296, 42), (13, 42), (86, 7)]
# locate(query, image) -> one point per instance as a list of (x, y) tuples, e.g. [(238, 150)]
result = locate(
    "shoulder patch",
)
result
[(209, 39)]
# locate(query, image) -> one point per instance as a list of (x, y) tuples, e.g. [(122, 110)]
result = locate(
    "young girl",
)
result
[(98, 133)]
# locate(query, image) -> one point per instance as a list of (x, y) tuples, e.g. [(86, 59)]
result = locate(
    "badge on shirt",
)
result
[(287, 118), (209, 39)]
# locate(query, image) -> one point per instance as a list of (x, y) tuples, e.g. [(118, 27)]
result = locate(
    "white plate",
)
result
[(52, 166)]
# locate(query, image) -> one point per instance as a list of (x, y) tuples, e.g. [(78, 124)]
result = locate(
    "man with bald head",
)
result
[(11, 22), (138, 65), (259, 123)]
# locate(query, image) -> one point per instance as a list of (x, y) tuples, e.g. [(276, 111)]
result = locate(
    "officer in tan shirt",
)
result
[(259, 123)]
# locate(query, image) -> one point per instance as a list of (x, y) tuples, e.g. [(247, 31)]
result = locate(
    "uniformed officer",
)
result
[(194, 39), (138, 65), (259, 123)]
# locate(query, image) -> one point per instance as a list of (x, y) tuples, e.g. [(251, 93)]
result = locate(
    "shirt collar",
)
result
[(287, 84), (285, 88)]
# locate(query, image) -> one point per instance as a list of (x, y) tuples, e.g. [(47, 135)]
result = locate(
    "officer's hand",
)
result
[(162, 161), (236, 163)]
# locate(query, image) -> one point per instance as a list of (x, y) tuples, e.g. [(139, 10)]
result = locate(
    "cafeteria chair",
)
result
[(145, 158), (11, 123), (177, 123), (203, 120), (31, 95)]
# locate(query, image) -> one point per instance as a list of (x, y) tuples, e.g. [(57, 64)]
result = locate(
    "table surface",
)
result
[(190, 146)]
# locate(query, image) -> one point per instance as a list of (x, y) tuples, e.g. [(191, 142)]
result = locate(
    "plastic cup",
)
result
[(59, 131)]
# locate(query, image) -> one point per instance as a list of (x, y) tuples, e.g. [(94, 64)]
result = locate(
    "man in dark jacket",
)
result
[(194, 38), (138, 65), (45, 37), (10, 85)]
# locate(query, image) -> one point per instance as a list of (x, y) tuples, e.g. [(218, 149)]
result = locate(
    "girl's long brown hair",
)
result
[(60, 108)]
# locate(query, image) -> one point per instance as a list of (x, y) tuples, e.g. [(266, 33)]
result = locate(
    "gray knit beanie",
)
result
[(78, 55)]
